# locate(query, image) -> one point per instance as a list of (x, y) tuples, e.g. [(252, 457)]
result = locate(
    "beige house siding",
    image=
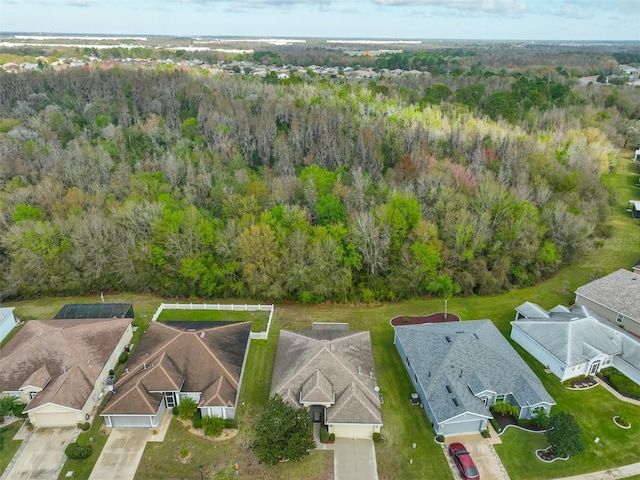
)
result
[(98, 390), (629, 324), (55, 416)]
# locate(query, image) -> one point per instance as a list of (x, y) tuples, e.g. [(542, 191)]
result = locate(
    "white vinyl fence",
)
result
[(218, 306)]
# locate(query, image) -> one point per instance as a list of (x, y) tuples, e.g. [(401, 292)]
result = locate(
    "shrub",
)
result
[(197, 421), (495, 424), (123, 357), (187, 408), (78, 452), (621, 382), (485, 433), (377, 437), (84, 426), (332, 437), (504, 408), (230, 423), (541, 418), (175, 410), (18, 409), (212, 426), (324, 434), (184, 453)]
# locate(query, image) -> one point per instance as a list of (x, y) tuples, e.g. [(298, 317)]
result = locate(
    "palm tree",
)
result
[(445, 287)]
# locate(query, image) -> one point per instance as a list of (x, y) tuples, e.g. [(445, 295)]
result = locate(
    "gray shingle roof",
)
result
[(340, 359), (579, 334), (618, 291), (452, 359)]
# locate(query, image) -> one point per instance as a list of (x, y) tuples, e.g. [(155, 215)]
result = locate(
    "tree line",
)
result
[(194, 185)]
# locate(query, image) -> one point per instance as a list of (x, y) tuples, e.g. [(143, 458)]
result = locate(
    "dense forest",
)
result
[(313, 189)]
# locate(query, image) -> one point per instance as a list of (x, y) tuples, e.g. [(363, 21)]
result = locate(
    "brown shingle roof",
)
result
[(73, 352), (317, 389), (345, 360), (205, 357)]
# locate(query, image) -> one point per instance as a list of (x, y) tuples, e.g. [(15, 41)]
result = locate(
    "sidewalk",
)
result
[(615, 393), (613, 474)]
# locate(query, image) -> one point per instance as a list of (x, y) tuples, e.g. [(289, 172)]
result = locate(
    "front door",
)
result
[(317, 416), (170, 399), (594, 368)]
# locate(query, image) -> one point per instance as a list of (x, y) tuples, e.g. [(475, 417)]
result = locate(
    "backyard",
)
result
[(405, 424)]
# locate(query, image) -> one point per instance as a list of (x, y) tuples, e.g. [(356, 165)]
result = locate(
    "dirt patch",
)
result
[(226, 434), (417, 320)]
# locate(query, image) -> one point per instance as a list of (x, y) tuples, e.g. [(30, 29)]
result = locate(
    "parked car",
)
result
[(464, 462)]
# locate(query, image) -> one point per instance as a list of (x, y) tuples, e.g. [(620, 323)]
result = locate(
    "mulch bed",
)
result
[(433, 318), (504, 420)]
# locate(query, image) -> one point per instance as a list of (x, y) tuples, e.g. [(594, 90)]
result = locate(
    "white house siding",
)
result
[(539, 353), (352, 430), (135, 421), (629, 324), (630, 371), (221, 412), (193, 395)]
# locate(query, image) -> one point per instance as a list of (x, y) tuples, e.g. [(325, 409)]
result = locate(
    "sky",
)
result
[(387, 19)]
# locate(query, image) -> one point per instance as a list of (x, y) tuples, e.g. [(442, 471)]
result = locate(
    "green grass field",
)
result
[(8, 446), (258, 320), (404, 424)]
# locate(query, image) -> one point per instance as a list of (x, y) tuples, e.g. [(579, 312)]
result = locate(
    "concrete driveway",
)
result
[(354, 459), (42, 456), (121, 454), (483, 454)]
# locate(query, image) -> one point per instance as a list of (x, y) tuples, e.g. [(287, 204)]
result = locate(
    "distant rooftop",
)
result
[(618, 291)]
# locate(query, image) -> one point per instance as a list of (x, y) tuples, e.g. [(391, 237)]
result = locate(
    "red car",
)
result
[(463, 461)]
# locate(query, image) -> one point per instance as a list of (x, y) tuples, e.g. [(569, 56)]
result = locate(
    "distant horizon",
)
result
[(473, 20), (336, 39)]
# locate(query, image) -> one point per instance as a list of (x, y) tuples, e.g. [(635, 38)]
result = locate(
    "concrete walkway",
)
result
[(41, 455), (615, 393), (482, 452), (354, 459), (121, 454), (612, 474)]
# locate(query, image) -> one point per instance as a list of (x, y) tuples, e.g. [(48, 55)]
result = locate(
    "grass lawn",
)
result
[(594, 410), (82, 468), (258, 320), (162, 460), (8, 446)]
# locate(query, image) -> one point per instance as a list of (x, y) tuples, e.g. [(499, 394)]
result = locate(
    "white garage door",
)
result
[(462, 427), (129, 421), (57, 419)]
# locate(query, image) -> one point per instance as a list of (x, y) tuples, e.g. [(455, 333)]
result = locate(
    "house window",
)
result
[(415, 378), (620, 318), (499, 398), (406, 359), (32, 395)]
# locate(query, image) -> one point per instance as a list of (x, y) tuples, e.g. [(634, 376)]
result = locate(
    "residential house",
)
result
[(634, 208), (636, 156), (330, 370), (7, 321), (615, 297), (461, 369), (59, 367), (572, 342), (174, 360)]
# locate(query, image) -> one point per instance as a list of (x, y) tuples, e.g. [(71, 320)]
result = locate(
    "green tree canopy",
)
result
[(565, 435), (284, 432)]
